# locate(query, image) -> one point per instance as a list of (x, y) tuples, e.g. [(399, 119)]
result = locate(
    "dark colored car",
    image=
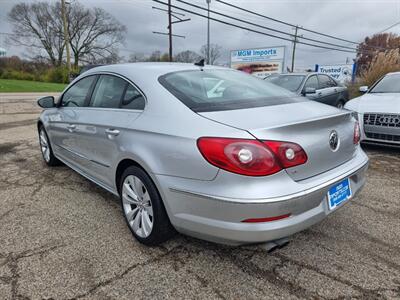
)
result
[(314, 86)]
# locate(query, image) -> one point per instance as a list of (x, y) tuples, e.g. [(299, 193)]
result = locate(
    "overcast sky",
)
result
[(348, 19)]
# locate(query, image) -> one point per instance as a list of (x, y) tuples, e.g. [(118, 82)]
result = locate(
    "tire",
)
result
[(141, 203), (45, 148), (340, 104)]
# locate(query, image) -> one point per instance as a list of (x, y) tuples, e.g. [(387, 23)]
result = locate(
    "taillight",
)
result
[(289, 154), (357, 133), (250, 157)]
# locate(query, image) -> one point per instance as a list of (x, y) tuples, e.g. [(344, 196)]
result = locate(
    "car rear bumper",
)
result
[(195, 210)]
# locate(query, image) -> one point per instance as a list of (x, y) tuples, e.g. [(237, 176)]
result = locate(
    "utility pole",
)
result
[(294, 46), (170, 30), (208, 31), (66, 35)]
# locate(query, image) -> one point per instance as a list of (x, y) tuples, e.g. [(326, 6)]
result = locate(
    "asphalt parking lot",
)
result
[(62, 237)]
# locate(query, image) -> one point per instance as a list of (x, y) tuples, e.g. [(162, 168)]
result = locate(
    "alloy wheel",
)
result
[(44, 146), (137, 206)]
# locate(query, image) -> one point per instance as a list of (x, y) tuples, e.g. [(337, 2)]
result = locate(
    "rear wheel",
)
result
[(143, 208), (45, 148), (340, 104)]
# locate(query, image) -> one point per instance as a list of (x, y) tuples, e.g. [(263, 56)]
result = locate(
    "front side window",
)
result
[(324, 82), (108, 92), (312, 82), (133, 99), (76, 95), (213, 90), (289, 82), (388, 84)]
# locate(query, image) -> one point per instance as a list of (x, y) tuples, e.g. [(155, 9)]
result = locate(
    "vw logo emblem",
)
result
[(389, 120), (334, 140)]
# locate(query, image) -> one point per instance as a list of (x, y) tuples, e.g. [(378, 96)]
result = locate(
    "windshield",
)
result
[(213, 90), (388, 84), (289, 82)]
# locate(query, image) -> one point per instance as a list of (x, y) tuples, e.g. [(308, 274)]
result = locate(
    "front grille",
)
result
[(383, 137), (386, 120)]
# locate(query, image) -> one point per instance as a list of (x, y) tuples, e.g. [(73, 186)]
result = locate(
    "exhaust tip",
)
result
[(271, 246)]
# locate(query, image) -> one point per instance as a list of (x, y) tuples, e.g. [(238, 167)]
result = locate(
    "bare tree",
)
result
[(38, 27), (215, 52), (136, 57), (187, 57), (94, 33)]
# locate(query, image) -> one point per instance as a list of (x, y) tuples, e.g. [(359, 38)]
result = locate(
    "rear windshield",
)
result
[(214, 90), (289, 82)]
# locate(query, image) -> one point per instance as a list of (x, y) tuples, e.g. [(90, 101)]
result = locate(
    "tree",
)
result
[(136, 57), (38, 26), (215, 52), (367, 50), (94, 33), (187, 57)]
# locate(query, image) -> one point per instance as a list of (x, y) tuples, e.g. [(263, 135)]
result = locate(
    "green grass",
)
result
[(24, 86)]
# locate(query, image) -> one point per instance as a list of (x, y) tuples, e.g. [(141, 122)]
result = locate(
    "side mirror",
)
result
[(310, 90), (363, 89), (46, 102)]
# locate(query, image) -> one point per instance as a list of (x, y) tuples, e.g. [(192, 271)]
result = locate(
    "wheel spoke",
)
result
[(146, 223), (136, 221), (138, 187), (131, 214), (149, 209), (129, 194)]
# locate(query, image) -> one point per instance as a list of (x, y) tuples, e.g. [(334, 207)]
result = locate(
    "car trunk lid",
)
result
[(308, 124)]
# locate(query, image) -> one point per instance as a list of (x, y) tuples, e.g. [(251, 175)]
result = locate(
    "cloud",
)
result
[(351, 20)]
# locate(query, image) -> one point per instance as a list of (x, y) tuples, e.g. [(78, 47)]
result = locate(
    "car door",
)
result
[(63, 122), (327, 92), (311, 82), (114, 104)]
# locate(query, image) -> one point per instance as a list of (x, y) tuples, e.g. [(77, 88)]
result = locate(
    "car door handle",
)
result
[(71, 127), (111, 131)]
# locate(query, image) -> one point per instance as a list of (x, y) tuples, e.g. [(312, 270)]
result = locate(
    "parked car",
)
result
[(379, 111), (251, 164), (318, 87)]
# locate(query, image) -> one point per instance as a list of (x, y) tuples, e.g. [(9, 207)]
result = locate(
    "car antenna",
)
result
[(200, 63)]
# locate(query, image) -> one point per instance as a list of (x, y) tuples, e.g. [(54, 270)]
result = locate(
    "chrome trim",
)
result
[(274, 199)]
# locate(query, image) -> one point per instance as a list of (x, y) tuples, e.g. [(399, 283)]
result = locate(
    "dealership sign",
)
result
[(342, 73), (259, 62)]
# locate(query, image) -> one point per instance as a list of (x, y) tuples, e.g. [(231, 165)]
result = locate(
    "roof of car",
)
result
[(393, 73), (149, 68)]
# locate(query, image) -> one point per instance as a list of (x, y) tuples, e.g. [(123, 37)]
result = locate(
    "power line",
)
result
[(253, 30), (390, 27), (292, 25), (267, 28)]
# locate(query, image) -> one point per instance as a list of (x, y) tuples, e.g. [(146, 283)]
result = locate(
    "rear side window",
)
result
[(312, 82), (76, 95), (133, 99), (108, 92)]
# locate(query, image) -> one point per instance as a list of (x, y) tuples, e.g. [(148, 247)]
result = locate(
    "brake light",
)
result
[(357, 133), (250, 157), (289, 154)]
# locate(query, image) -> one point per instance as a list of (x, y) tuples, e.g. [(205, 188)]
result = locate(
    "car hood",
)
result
[(379, 102)]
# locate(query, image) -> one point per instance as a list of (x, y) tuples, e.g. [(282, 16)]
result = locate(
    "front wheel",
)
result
[(46, 149), (143, 208)]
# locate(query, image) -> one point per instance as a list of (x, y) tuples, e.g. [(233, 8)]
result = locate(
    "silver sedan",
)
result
[(244, 162)]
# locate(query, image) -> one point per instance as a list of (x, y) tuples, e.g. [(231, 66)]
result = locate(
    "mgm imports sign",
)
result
[(260, 61)]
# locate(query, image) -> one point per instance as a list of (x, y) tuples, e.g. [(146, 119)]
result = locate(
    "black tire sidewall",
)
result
[(162, 229)]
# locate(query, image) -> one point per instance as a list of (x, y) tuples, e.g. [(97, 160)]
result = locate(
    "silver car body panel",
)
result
[(201, 199)]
